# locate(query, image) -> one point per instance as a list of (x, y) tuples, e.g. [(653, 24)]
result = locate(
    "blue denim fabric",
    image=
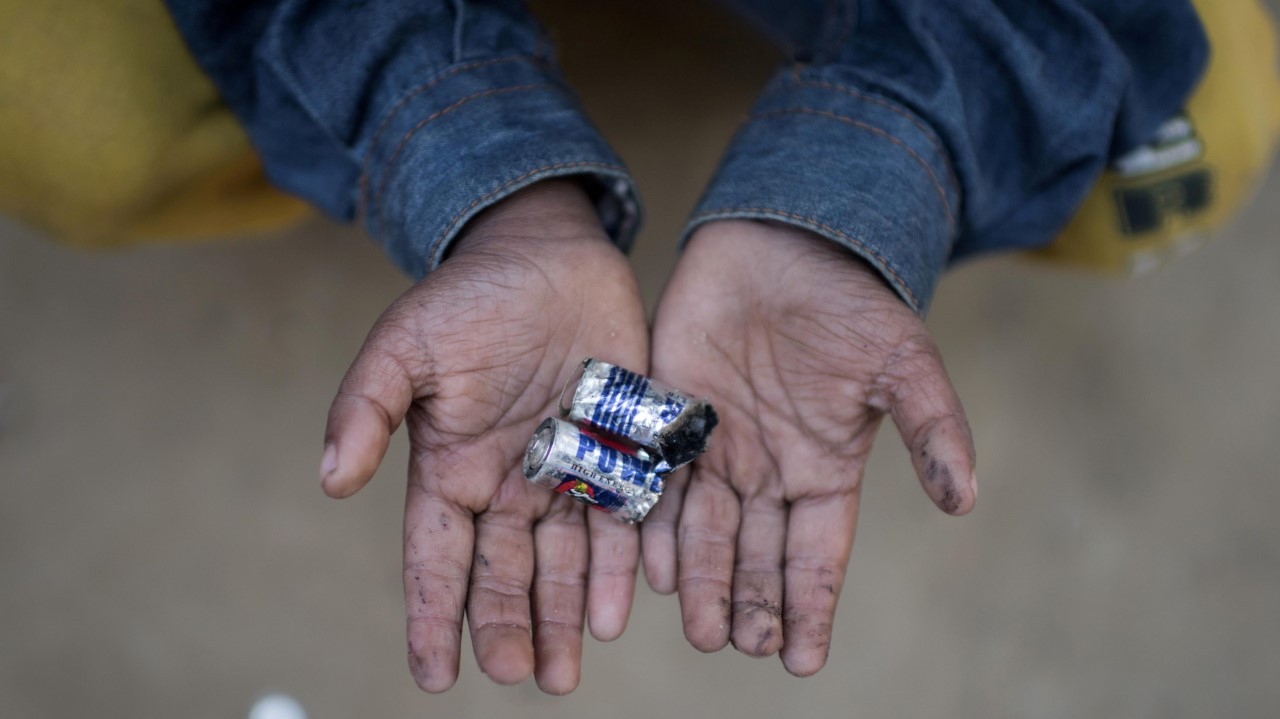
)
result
[(919, 132), (913, 132), (414, 114)]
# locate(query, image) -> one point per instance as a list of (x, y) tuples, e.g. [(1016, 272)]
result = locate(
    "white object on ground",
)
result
[(277, 706)]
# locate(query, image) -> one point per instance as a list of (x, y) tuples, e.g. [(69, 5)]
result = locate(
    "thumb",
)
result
[(927, 411), (371, 402)]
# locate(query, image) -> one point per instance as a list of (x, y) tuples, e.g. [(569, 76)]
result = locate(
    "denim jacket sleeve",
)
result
[(416, 115), (918, 132)]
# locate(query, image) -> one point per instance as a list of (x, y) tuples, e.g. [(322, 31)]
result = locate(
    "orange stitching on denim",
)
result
[(814, 222), (923, 128), (418, 90), (942, 194), (391, 161), (513, 181)]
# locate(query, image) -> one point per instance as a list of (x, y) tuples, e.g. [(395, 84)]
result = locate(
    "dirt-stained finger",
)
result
[(437, 561), (819, 540), (498, 605), (559, 593), (757, 578), (707, 543), (928, 414)]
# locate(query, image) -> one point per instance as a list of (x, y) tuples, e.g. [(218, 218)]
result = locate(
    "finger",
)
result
[(707, 537), (927, 411), (819, 539), (615, 552), (498, 604), (370, 404), (658, 534), (757, 578), (437, 558), (559, 583)]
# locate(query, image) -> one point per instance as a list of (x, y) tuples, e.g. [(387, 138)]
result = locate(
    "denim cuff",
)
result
[(470, 136), (847, 164)]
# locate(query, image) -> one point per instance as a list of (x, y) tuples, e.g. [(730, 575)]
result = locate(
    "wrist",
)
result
[(553, 212), (550, 203), (761, 253)]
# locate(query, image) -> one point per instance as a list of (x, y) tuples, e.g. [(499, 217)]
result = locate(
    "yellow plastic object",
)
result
[(111, 134), (1167, 198)]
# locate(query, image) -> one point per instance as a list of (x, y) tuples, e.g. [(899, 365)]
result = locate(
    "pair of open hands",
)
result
[(799, 345)]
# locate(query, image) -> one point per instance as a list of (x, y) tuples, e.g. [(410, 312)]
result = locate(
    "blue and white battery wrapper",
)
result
[(592, 469), (671, 426)]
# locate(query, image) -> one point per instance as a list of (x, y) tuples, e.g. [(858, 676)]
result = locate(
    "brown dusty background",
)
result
[(165, 550)]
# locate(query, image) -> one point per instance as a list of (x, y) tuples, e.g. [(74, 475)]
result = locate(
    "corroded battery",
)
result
[(671, 425), (592, 469)]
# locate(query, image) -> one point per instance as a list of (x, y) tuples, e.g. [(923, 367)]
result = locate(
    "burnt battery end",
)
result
[(688, 436)]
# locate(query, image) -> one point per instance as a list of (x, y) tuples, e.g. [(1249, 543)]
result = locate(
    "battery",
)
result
[(672, 426), (592, 469)]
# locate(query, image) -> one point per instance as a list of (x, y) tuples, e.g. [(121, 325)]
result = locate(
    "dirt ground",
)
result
[(165, 550)]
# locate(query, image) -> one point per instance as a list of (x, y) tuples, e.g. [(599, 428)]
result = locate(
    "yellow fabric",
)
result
[(1235, 117), (111, 134)]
